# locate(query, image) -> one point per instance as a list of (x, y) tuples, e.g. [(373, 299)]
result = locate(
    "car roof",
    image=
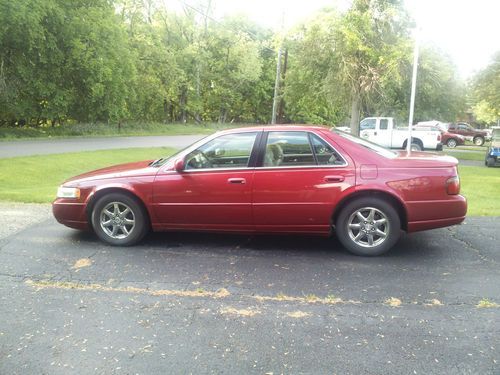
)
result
[(280, 127)]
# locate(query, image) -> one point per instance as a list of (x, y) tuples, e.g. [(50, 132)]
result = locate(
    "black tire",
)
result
[(415, 146), (478, 140), (451, 143), (382, 210), (490, 162), (137, 214)]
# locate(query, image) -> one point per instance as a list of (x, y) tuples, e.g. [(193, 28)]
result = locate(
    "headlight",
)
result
[(68, 192)]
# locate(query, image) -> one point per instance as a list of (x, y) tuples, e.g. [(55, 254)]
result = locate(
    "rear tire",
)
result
[(368, 226), (415, 147), (490, 162), (119, 220), (478, 141)]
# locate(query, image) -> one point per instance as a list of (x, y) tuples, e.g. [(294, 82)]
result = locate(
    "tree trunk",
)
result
[(355, 106), (182, 105)]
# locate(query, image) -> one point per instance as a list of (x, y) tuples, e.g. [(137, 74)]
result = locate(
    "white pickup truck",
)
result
[(383, 131)]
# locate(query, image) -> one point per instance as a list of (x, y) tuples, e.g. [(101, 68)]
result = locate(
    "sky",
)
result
[(468, 30)]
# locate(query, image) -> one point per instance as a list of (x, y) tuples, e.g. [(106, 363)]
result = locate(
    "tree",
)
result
[(486, 92)]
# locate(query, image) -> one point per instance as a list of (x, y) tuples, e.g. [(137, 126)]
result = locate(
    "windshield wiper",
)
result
[(154, 163)]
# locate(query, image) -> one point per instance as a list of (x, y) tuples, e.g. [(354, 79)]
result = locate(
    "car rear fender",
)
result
[(373, 190)]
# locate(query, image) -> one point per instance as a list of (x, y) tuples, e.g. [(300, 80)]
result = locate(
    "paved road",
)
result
[(59, 146), (226, 304)]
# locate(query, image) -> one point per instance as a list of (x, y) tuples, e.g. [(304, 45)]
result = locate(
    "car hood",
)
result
[(135, 169), (424, 159)]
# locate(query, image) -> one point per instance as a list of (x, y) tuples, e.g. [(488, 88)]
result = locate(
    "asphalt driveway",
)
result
[(203, 303), (61, 145)]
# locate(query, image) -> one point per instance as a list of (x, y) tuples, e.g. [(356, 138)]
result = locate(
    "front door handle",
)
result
[(334, 178), (236, 180)]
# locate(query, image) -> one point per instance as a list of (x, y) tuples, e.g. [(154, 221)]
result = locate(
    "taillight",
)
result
[(439, 137), (453, 185)]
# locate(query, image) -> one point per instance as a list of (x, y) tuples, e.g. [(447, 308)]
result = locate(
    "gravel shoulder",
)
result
[(18, 216)]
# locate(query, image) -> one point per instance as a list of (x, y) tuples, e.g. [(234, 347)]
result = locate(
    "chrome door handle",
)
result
[(334, 178), (236, 180)]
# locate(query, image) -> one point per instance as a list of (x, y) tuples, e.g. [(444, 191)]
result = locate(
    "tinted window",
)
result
[(325, 154), (368, 123), (384, 124), (288, 149), (226, 151)]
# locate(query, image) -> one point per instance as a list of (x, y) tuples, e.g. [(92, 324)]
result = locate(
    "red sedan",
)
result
[(277, 179)]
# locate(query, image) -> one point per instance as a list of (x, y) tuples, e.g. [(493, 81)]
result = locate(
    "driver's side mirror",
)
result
[(179, 165)]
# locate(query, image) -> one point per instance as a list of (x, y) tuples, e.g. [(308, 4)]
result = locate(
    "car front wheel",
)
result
[(451, 143), (368, 226), (119, 220)]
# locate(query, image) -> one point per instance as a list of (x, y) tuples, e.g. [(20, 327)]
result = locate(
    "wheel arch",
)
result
[(414, 140), (100, 192), (387, 196)]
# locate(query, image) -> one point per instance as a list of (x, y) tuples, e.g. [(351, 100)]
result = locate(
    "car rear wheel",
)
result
[(119, 220), (368, 226), (478, 141), (451, 143), (490, 162)]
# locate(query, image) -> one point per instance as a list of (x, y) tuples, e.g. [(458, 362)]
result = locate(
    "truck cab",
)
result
[(384, 132)]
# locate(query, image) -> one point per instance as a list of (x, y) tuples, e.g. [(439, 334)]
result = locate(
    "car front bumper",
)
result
[(70, 213)]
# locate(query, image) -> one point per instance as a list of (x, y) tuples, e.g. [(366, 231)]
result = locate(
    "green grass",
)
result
[(479, 156), (480, 186), (109, 130), (34, 179)]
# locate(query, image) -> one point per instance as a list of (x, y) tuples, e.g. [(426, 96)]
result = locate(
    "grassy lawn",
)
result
[(480, 186), (473, 155), (36, 178), (108, 130)]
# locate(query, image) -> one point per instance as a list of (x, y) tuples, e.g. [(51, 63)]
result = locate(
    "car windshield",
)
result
[(369, 145), (161, 161)]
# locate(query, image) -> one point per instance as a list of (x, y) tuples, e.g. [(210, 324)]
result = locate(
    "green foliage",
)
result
[(113, 61), (63, 59), (486, 92)]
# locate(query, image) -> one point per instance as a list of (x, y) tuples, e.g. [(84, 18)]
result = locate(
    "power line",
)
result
[(255, 37)]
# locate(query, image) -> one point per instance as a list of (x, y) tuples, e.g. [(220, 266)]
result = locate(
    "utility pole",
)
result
[(413, 89), (276, 88), (276, 99)]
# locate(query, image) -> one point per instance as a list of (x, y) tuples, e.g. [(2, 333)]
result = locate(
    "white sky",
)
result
[(466, 29)]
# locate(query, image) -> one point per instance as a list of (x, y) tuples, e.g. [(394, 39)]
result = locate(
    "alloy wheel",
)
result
[(117, 220), (368, 227)]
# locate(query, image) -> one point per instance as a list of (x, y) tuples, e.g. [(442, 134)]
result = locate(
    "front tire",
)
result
[(451, 143), (478, 141), (368, 226), (119, 220), (490, 162)]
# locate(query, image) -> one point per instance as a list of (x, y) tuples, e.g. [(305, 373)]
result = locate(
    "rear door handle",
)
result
[(334, 178), (236, 180)]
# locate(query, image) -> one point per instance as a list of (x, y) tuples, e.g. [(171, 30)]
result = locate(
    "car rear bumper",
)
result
[(423, 215), (70, 213)]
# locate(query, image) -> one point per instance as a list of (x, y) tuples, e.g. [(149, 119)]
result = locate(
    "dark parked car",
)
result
[(279, 179), (449, 139), (477, 136), (493, 154)]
